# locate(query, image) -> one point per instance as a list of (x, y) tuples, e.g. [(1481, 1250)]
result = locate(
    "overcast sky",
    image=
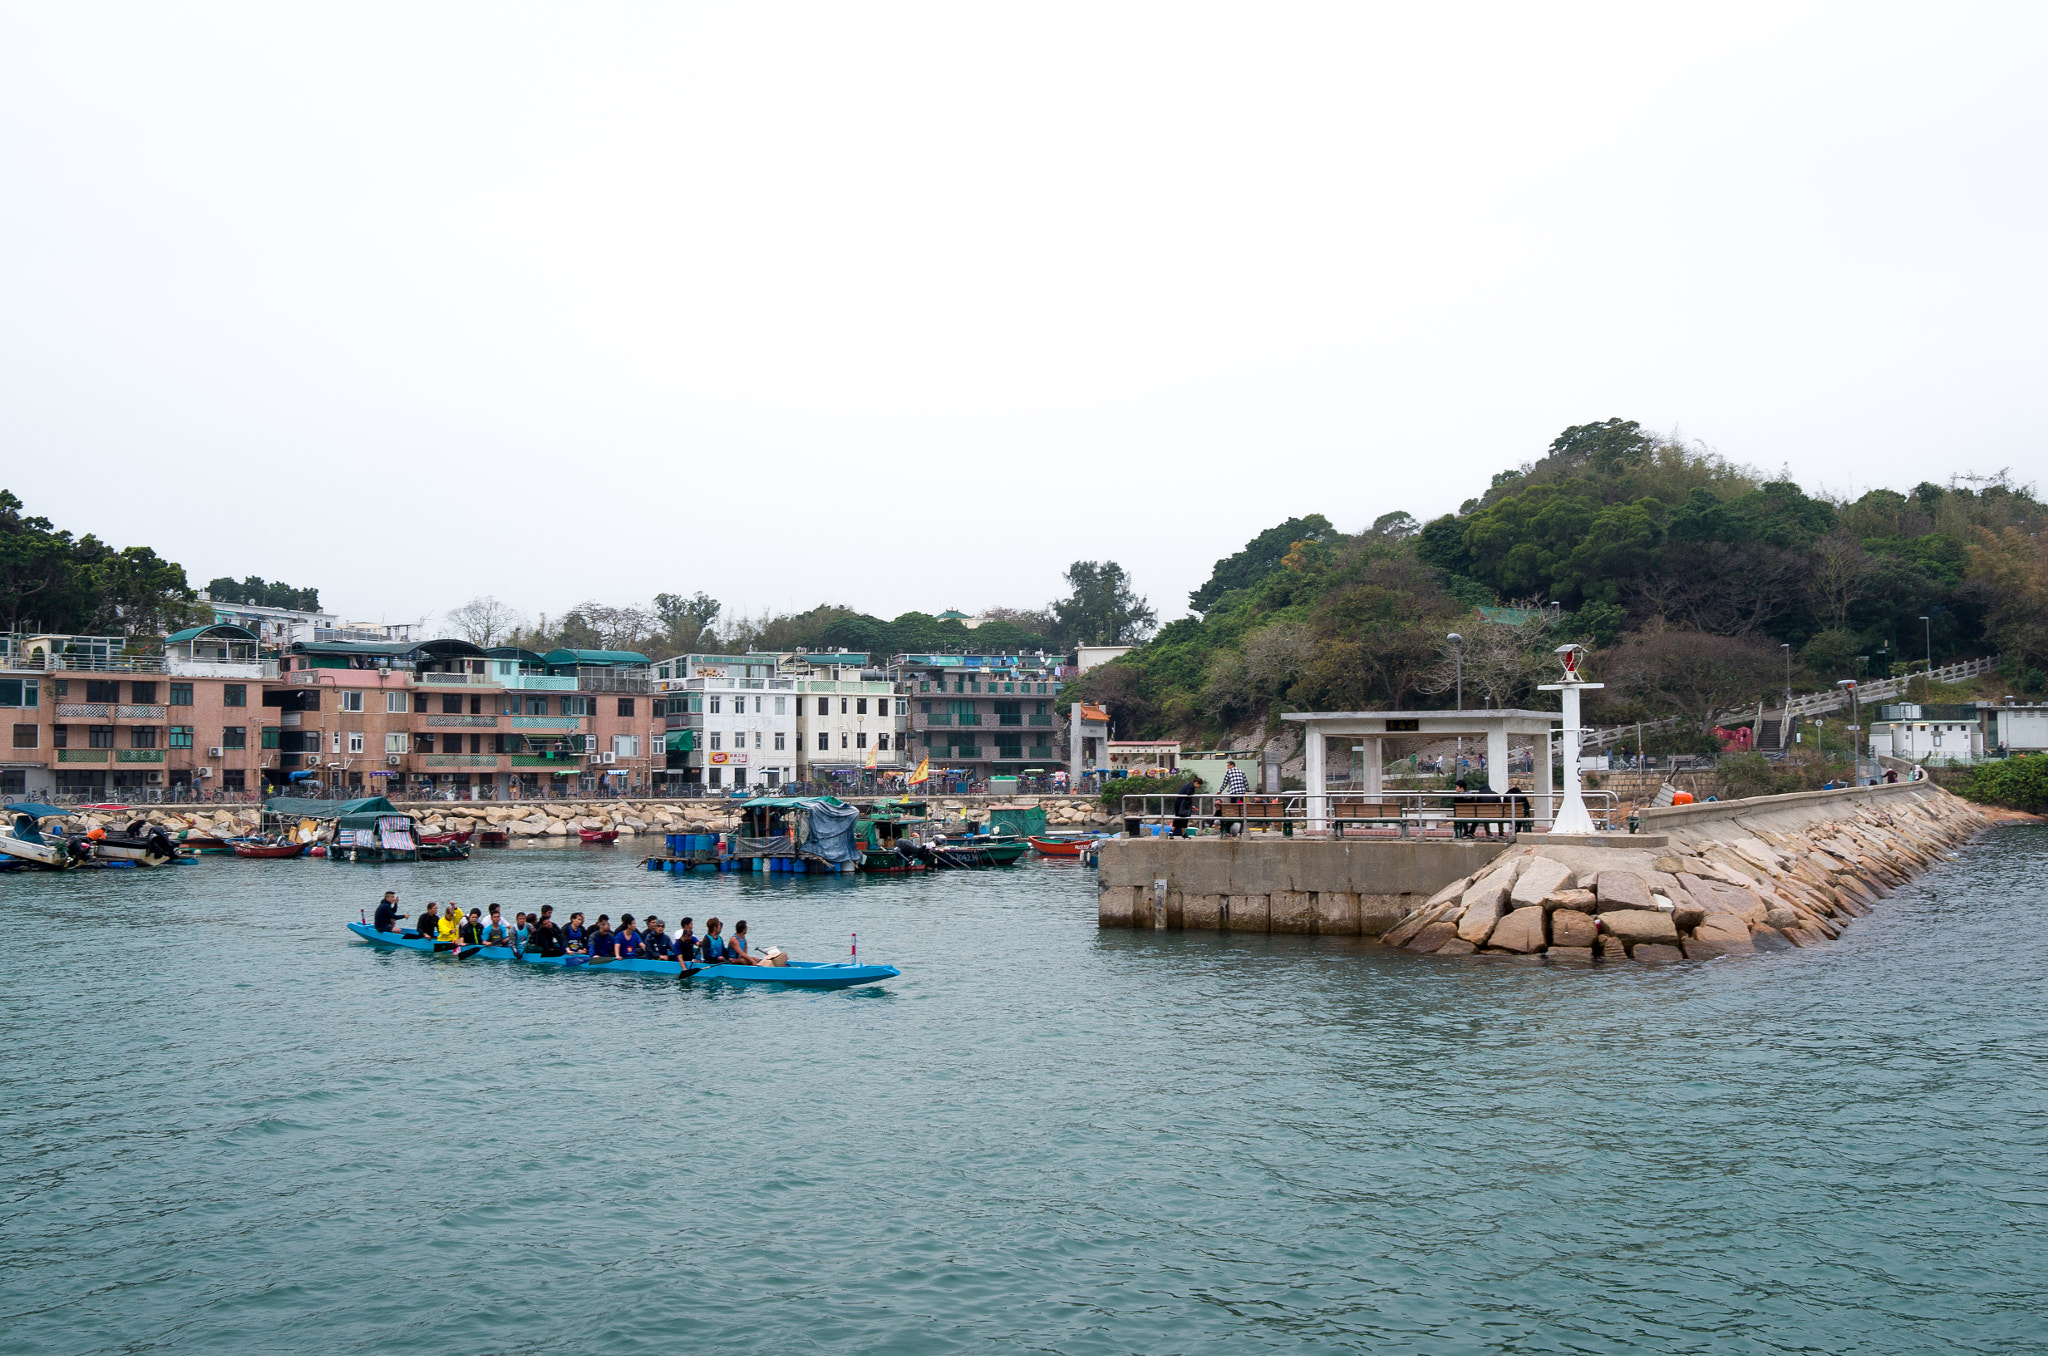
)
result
[(910, 307)]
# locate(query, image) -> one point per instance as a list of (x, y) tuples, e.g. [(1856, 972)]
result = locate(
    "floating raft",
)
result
[(763, 865), (799, 974)]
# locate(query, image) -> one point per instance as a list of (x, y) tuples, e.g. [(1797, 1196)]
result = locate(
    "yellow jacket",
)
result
[(448, 924)]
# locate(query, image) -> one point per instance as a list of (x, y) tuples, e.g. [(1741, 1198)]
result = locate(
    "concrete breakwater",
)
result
[(1705, 880), (542, 820)]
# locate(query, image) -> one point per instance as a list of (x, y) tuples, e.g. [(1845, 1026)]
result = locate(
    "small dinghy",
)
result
[(1062, 847), (797, 974), (139, 843), (598, 835), (24, 841), (270, 849)]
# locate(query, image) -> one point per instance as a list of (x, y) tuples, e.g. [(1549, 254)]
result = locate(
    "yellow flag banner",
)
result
[(924, 770)]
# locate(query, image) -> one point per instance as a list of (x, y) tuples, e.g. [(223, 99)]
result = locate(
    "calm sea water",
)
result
[(231, 1127)]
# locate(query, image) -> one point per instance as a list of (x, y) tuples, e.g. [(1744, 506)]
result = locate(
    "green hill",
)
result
[(1693, 578)]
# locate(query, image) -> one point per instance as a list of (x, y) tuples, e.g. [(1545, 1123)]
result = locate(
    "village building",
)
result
[(846, 715), (1143, 757), (983, 716), (729, 721)]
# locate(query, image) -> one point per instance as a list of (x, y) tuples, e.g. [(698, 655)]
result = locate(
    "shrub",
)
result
[(2018, 783), (1113, 792)]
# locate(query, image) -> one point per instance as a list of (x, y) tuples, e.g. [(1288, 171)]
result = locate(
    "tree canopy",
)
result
[(52, 581)]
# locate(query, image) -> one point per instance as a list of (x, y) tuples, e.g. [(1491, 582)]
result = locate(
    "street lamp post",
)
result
[(1928, 691), (1786, 724), (1856, 724), (1458, 668)]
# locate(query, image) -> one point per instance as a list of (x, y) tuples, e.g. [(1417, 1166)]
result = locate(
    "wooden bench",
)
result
[(1358, 810), (1512, 810)]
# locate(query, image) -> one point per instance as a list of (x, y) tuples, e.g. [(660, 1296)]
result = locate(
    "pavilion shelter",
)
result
[(1373, 728)]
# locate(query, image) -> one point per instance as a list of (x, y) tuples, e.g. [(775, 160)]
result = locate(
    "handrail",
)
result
[(1420, 811)]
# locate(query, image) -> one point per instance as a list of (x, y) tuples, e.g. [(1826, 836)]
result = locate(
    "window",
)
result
[(60, 735), (351, 701), (395, 742), (99, 736), (778, 738), (924, 708), (476, 706), (424, 742), (923, 685), (927, 738), (337, 741), (1009, 713), (625, 706), (902, 706), (842, 739), (18, 692), (142, 736), (181, 694), (626, 746), (824, 706), (143, 694), (237, 737), (824, 742), (181, 737), (860, 706), (717, 705), (237, 694), (25, 736), (781, 706), (232, 779), (536, 706), (395, 701), (711, 775), (99, 690), (882, 741), (861, 740), (716, 737), (757, 739), (577, 706), (842, 706), (451, 705), (355, 741)]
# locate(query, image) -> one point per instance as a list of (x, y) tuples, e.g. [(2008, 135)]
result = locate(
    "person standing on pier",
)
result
[(1234, 789)]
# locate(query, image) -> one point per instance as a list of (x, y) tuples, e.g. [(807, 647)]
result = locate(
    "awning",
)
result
[(29, 807), (682, 741)]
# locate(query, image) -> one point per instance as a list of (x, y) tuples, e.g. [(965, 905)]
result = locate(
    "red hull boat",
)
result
[(1062, 847), (269, 849), (462, 837), (598, 835)]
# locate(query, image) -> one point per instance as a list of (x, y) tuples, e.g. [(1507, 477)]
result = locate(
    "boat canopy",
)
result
[(217, 631), (598, 658), (37, 811), (790, 802), (295, 807)]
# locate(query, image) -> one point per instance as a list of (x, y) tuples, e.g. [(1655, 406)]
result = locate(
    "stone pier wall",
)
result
[(1732, 877), (1359, 887)]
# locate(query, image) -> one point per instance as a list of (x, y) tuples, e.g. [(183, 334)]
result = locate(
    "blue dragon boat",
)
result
[(801, 974)]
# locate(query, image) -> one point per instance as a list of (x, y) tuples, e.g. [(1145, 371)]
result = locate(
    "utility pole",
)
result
[(1928, 694), (1785, 725), (1458, 663)]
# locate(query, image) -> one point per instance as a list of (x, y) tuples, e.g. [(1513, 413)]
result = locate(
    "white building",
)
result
[(730, 719), (847, 720), (278, 627), (1927, 734), (2021, 729)]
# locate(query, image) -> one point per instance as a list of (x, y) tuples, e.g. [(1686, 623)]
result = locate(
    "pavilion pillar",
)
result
[(1545, 797), (1497, 755), (1315, 759), (1375, 756)]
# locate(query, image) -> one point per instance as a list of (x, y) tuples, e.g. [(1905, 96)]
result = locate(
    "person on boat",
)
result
[(575, 938), (654, 942), (603, 945), (387, 912), (428, 924), (627, 938), (714, 942), (472, 929), (545, 933), (451, 924), (736, 949), (495, 931), (685, 943)]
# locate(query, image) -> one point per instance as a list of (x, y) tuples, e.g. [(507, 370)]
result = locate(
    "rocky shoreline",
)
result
[(1737, 878), (560, 819)]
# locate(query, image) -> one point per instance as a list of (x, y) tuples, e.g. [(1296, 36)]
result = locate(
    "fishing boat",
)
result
[(205, 843), (139, 843), (23, 841), (598, 835), (494, 838), (442, 852), (966, 854), (798, 974), (881, 833), (270, 849), (449, 837), (1062, 847)]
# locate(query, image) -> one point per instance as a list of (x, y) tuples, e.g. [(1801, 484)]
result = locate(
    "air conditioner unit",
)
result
[(213, 752), (394, 759), (156, 779), (204, 771), (611, 758), (597, 758)]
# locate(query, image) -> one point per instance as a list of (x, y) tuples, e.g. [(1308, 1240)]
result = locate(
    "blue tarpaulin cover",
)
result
[(827, 831)]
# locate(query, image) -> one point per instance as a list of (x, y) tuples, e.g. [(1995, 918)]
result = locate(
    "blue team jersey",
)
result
[(629, 944), (603, 944)]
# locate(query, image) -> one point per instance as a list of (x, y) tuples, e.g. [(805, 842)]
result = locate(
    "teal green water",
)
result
[(231, 1127)]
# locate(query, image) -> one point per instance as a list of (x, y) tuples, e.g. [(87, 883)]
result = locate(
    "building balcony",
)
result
[(84, 755), (85, 710), (963, 719), (449, 760), (1038, 720), (608, 680), (938, 720), (554, 760), (139, 712), (254, 670), (455, 680), (546, 722), (538, 682), (1009, 720), (138, 755), (465, 722)]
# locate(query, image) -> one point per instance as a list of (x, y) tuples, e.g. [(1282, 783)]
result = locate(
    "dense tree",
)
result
[(1260, 557), (255, 591), (686, 622), (1103, 609), (55, 582), (1693, 674)]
